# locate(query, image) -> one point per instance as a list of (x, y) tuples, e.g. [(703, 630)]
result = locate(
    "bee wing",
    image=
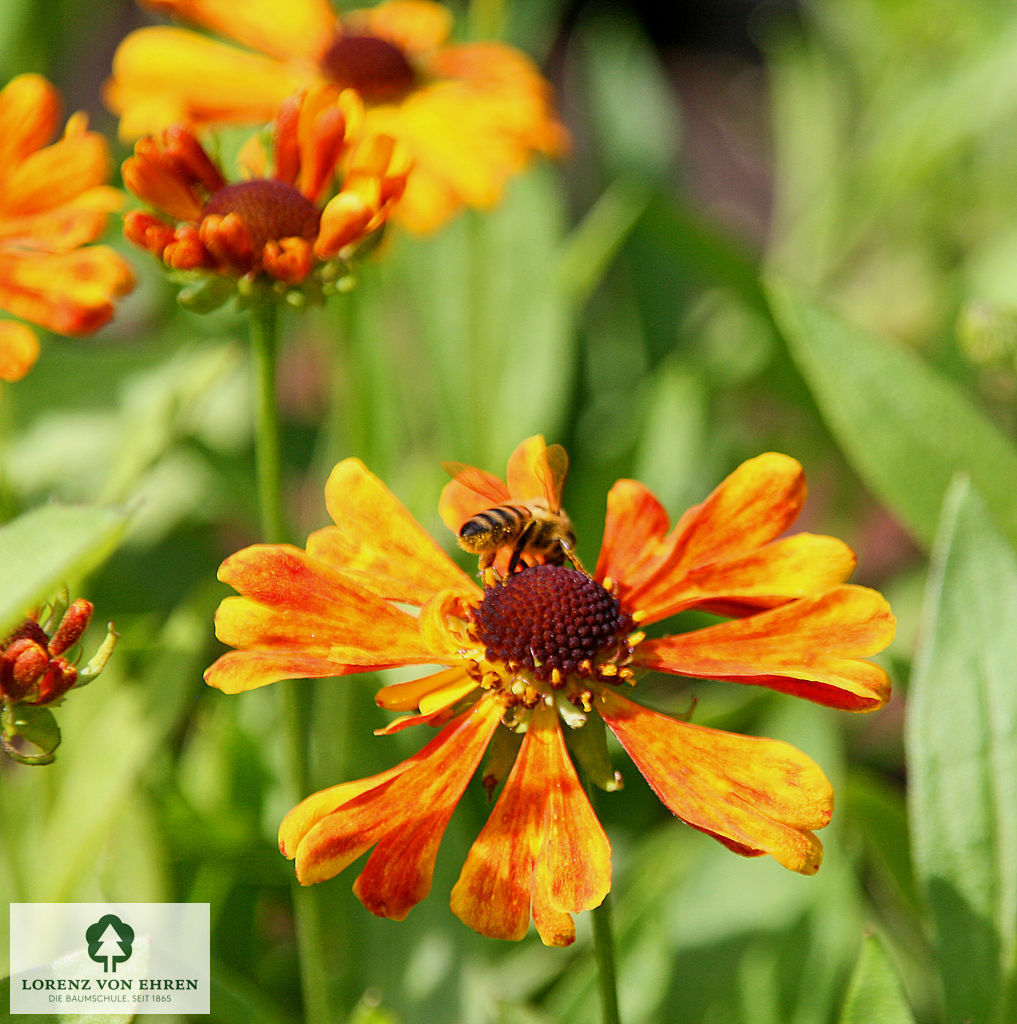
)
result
[(469, 492), (537, 471)]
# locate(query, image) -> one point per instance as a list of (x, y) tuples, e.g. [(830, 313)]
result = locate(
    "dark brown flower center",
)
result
[(549, 617), (269, 209), (376, 68)]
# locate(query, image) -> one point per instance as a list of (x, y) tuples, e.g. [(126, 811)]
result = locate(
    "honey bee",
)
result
[(538, 526)]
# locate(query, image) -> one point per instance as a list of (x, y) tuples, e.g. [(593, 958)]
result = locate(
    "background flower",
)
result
[(53, 201), (470, 115)]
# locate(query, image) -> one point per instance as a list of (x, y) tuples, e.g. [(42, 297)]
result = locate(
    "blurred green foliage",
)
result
[(610, 306)]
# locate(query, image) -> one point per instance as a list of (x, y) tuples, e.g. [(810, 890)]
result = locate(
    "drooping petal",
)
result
[(377, 540), (302, 34), (404, 816), (754, 795), (19, 349), (809, 648), (542, 851), (165, 75)]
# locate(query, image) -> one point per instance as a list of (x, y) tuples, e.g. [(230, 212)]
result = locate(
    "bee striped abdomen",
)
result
[(493, 527)]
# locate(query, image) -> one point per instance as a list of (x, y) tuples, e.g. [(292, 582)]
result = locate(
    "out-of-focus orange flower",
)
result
[(532, 666), (276, 224), (470, 115), (53, 200)]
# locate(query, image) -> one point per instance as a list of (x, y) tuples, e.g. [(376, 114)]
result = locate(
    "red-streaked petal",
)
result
[(752, 507), (755, 795), (635, 525), (295, 607), (809, 648), (774, 574), (240, 671), (404, 817), (542, 850), (377, 541)]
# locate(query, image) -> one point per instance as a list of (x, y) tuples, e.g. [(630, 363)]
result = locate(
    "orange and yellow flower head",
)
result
[(283, 222), (532, 666), (470, 115), (54, 199)]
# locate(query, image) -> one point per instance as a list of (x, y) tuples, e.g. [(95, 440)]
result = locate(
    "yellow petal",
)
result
[(301, 34), (29, 110), (19, 349), (166, 75)]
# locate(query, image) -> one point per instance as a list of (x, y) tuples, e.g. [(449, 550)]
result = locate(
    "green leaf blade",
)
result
[(906, 429), (48, 547), (875, 992), (961, 741)]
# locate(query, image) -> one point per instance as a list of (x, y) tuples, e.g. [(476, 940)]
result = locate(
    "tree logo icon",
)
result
[(109, 942)]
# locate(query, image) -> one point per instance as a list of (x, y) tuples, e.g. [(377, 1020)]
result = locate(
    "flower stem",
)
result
[(264, 347), (603, 948), (294, 696)]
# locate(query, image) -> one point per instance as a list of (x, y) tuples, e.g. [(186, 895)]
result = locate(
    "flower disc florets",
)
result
[(376, 68), (552, 622), (269, 210)]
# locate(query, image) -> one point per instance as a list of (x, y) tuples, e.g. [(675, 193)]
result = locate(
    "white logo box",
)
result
[(101, 958)]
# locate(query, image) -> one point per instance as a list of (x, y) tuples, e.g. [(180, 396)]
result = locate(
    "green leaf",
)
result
[(48, 547), (906, 429), (961, 742), (875, 993)]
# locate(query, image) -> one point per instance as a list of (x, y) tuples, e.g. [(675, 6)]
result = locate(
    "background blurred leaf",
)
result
[(48, 547), (961, 739), (875, 993), (906, 429)]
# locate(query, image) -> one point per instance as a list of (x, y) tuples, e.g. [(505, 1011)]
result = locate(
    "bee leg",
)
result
[(520, 547), (570, 553)]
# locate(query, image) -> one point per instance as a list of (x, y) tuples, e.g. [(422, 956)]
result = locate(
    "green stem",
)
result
[(603, 940), (603, 948), (264, 350), (294, 695)]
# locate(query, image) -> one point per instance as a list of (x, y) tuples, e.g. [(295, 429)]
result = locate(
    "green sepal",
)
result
[(589, 747), (28, 724)]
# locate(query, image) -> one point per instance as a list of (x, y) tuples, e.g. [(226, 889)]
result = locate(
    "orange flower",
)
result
[(470, 115), (529, 668), (53, 200), (273, 226)]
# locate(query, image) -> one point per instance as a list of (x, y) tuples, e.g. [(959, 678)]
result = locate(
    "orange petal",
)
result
[(542, 850), (164, 75), (240, 671), (752, 507), (68, 293), (57, 174), (294, 606), (470, 491), (536, 471), (29, 111), (404, 817), (807, 648), (771, 575), (754, 795), (63, 227), (635, 526), (305, 30), (379, 542), (345, 221), (19, 349)]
